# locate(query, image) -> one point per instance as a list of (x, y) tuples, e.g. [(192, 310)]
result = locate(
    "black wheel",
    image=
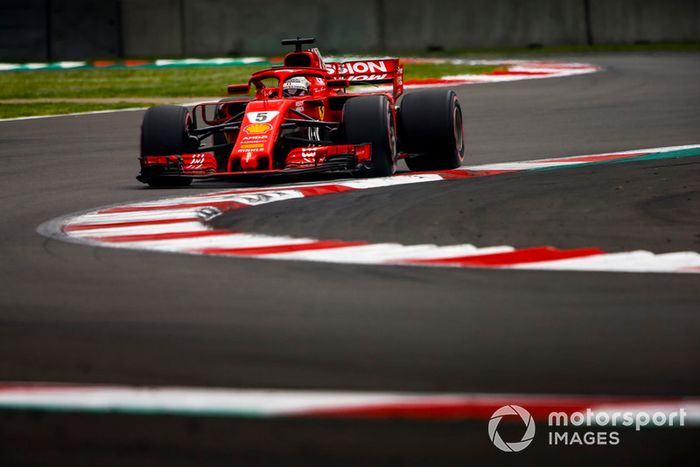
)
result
[(164, 132), (369, 119), (430, 125)]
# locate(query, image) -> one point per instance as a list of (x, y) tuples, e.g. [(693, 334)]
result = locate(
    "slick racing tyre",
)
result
[(369, 119), (164, 132), (430, 126)]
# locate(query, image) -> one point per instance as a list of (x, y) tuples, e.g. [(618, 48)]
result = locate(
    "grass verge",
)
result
[(143, 84), (169, 82)]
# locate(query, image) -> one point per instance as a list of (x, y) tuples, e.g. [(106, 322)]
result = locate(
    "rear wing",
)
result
[(384, 71)]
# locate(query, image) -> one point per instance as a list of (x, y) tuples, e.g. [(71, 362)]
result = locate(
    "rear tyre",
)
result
[(369, 119), (164, 132), (430, 125)]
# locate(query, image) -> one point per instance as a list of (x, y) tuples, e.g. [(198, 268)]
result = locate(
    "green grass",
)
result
[(143, 83), (173, 82), (27, 110)]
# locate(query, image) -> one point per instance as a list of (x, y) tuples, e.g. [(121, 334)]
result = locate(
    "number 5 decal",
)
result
[(262, 117)]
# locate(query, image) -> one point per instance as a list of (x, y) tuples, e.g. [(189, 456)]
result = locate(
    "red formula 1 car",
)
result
[(303, 120)]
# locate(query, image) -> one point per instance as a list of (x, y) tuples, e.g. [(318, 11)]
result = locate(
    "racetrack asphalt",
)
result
[(74, 313)]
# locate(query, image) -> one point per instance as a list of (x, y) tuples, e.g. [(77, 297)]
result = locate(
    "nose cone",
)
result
[(250, 161)]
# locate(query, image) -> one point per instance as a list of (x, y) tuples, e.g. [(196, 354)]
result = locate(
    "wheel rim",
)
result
[(392, 142), (458, 129)]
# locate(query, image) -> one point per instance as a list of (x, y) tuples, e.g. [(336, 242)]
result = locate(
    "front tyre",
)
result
[(431, 129), (369, 119), (165, 132)]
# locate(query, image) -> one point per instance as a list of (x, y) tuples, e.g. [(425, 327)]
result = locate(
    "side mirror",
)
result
[(211, 113), (238, 88)]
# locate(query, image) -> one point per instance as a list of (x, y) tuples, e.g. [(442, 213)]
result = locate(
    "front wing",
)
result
[(300, 161)]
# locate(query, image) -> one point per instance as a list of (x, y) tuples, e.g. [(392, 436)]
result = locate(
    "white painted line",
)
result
[(249, 199), (101, 218), (366, 183), (571, 160), (233, 240), (386, 253), (76, 114), (633, 261), (194, 226)]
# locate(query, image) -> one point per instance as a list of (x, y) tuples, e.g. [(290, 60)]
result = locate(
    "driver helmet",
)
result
[(295, 87)]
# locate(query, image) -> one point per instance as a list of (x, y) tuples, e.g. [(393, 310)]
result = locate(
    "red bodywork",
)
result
[(265, 135)]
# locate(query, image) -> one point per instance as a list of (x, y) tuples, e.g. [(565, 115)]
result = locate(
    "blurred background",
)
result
[(43, 30)]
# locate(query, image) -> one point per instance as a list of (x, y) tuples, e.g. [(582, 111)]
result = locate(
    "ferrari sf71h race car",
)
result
[(303, 120)]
